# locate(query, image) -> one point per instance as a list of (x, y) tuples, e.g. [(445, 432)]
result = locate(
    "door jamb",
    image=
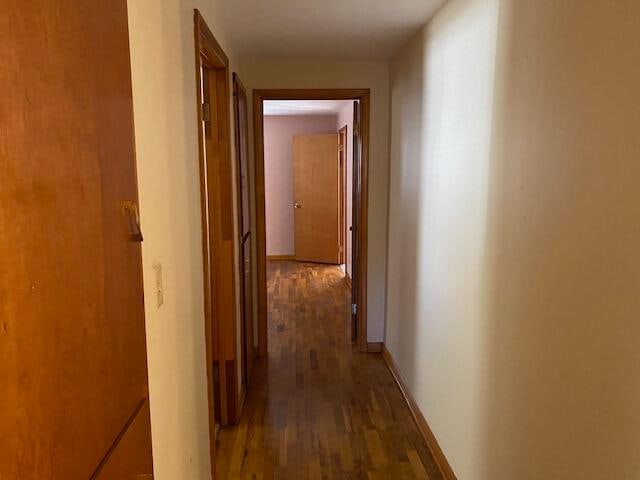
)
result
[(342, 188), (363, 95), (209, 54)]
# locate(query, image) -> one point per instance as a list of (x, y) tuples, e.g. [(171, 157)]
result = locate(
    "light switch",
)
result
[(157, 268)]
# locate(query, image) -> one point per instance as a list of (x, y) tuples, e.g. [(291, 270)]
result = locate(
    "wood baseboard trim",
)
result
[(347, 279), (375, 347), (273, 258), (421, 422)]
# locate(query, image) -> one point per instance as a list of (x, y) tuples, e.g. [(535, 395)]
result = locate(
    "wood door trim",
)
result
[(361, 94), (209, 54), (343, 133)]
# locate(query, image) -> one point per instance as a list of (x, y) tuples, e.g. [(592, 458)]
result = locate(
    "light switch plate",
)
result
[(157, 268)]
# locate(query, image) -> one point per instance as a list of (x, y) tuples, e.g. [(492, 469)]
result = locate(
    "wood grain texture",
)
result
[(126, 462), (316, 177), (342, 194), (218, 245), (318, 407), (363, 95), (72, 337), (275, 258), (426, 432), (243, 208)]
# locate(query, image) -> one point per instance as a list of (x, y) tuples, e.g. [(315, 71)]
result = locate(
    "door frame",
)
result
[(343, 134), (219, 256), (259, 96)]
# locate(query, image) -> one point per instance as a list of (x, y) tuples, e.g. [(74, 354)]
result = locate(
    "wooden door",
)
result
[(247, 309), (218, 237), (73, 376), (244, 223), (342, 195), (316, 175), (355, 217)]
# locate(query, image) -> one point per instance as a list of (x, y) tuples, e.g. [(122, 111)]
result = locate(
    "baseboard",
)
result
[(273, 258), (375, 347), (421, 422), (347, 279)]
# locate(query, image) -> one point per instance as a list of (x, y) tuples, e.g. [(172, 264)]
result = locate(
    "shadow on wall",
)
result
[(563, 339), (514, 218), (405, 212)]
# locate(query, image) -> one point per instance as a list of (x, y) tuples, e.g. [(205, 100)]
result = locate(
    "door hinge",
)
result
[(354, 309), (341, 148), (206, 112)]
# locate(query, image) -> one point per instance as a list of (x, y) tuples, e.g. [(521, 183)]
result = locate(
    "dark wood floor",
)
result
[(318, 409)]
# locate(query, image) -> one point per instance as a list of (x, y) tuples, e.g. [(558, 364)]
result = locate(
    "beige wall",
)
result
[(164, 98), (514, 192), (271, 73)]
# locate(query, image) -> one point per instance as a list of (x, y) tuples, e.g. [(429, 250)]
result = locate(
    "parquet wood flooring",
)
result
[(317, 408)]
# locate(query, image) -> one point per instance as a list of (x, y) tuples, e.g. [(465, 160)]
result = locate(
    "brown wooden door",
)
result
[(244, 222), (73, 381), (316, 177), (355, 216)]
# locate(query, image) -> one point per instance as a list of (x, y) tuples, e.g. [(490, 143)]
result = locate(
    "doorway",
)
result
[(218, 239), (321, 227)]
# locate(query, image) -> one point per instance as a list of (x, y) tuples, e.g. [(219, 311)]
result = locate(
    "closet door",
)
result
[(73, 382)]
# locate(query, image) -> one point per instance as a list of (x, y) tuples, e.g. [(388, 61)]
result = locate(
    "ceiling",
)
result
[(347, 29), (304, 107)]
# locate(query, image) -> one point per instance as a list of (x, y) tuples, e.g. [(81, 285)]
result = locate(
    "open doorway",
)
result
[(311, 171)]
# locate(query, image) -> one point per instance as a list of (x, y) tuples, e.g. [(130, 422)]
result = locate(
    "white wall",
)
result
[(164, 99), (279, 131), (291, 73), (345, 118), (442, 93), (513, 267)]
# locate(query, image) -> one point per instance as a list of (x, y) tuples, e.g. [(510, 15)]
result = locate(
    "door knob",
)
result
[(296, 205)]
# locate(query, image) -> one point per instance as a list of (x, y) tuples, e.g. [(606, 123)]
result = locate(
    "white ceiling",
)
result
[(304, 107), (353, 29)]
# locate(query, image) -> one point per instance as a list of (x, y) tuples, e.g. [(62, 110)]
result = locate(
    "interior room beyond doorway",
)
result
[(308, 154)]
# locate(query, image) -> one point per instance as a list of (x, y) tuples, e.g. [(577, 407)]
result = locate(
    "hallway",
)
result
[(318, 409)]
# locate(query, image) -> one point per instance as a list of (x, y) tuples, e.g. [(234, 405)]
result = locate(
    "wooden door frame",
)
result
[(259, 96), (220, 333), (342, 191)]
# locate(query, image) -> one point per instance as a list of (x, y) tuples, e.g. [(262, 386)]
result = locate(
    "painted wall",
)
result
[(320, 73), (513, 267), (278, 174), (164, 100), (345, 118)]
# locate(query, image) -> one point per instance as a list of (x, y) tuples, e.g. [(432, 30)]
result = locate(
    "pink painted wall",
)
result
[(345, 117), (278, 173)]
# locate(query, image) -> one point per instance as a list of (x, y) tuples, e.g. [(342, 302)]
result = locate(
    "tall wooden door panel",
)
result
[(244, 226), (72, 338), (315, 191), (355, 216)]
